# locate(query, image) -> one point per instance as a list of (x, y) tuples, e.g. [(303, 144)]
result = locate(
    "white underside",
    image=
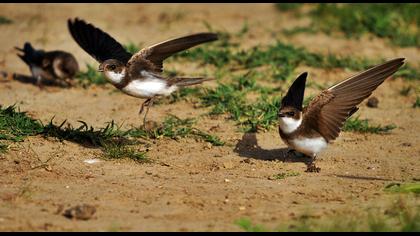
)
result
[(36, 71), (309, 146), (288, 125), (148, 87)]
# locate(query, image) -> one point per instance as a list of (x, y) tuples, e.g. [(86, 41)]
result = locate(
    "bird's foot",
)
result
[(312, 168), (41, 87)]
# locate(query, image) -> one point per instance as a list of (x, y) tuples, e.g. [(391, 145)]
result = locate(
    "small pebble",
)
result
[(91, 161), (80, 212), (372, 102)]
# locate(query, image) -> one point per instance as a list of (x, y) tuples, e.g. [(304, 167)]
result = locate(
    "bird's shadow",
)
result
[(32, 80), (248, 147)]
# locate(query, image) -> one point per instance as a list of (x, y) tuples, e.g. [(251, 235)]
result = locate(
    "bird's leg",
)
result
[(147, 110), (147, 103), (311, 166), (39, 82)]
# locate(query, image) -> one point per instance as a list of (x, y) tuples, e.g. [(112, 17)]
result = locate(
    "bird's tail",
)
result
[(29, 53), (182, 81)]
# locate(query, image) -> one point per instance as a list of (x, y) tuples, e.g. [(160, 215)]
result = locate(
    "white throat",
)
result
[(115, 77), (288, 125)]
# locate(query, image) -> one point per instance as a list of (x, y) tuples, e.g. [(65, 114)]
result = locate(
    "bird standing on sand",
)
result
[(309, 130), (51, 65), (137, 75)]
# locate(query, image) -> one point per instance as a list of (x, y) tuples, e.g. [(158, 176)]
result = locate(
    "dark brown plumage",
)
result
[(137, 75), (310, 129), (159, 52), (102, 46), (294, 96), (97, 43), (327, 112), (50, 65)]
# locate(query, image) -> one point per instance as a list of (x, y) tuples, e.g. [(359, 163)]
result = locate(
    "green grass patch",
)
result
[(115, 151), (397, 22), (299, 30), (132, 47), (285, 175), (363, 126), (288, 6), (111, 139), (4, 20), (175, 128), (250, 116), (399, 216), (405, 91), (16, 125), (282, 59), (247, 226), (403, 188), (90, 76), (113, 142)]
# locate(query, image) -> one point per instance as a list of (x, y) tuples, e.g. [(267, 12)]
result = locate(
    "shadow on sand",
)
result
[(32, 80), (248, 147)]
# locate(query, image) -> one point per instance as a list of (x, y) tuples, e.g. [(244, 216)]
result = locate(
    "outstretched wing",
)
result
[(97, 43), (159, 52), (333, 106)]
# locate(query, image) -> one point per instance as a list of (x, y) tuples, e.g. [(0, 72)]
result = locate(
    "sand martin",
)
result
[(308, 130), (50, 65), (138, 75)]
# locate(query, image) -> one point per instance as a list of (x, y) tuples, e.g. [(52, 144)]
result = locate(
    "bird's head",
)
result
[(290, 113), (113, 69), (290, 118)]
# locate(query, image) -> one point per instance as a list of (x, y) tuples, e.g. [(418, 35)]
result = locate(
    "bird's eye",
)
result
[(291, 113), (112, 67)]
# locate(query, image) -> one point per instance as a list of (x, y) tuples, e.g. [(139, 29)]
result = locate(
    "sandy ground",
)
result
[(190, 186)]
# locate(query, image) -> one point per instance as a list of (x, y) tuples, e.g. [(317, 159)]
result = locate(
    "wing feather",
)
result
[(333, 106), (159, 52), (97, 43)]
